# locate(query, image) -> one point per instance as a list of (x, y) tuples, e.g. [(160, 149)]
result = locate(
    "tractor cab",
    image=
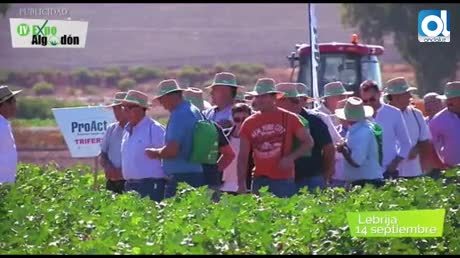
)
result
[(350, 63)]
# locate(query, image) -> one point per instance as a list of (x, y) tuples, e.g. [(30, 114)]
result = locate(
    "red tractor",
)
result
[(350, 63)]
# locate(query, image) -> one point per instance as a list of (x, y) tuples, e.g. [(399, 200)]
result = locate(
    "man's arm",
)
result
[(306, 143), (329, 160), (402, 135), (356, 149), (171, 148), (227, 156), (424, 139), (242, 166)]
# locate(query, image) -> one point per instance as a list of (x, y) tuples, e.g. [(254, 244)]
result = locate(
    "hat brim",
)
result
[(441, 97), (224, 84), (175, 90), (410, 89), (13, 93), (368, 112), (134, 102), (346, 93), (254, 93)]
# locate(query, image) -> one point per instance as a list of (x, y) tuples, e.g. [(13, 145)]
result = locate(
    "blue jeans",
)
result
[(311, 183), (154, 188), (279, 187), (193, 179)]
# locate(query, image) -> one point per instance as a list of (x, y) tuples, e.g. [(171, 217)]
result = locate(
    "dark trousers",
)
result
[(193, 179), (115, 186), (390, 175), (212, 176), (154, 188), (375, 182)]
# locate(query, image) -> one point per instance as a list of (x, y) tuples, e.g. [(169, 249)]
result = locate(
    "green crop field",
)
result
[(50, 211)]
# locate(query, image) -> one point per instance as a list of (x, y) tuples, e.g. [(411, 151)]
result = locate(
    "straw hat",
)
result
[(265, 86), (354, 110), (117, 100), (289, 89), (195, 96), (451, 90), (6, 93), (136, 97), (335, 89), (224, 79), (167, 86), (397, 86)]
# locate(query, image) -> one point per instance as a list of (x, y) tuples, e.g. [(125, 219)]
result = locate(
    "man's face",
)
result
[(370, 97), (265, 102), (432, 107), (10, 108), (331, 102), (120, 114), (453, 104), (402, 100), (221, 94), (166, 101), (134, 112), (290, 104)]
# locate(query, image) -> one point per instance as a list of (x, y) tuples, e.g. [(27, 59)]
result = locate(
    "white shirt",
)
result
[(111, 143), (395, 138), (147, 133), (364, 152), (417, 132), (322, 108), (230, 176), (8, 153), (221, 115)]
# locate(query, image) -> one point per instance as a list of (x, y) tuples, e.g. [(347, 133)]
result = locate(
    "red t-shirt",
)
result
[(271, 135)]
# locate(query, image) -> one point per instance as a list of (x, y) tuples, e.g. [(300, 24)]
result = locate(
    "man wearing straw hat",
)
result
[(396, 141), (313, 170), (223, 92), (270, 133), (305, 99), (110, 156), (445, 126), (433, 104), (177, 150), (8, 153), (360, 148), (213, 172), (142, 173), (399, 95), (333, 93)]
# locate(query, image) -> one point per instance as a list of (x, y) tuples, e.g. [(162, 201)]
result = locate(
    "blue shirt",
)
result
[(180, 130), (364, 152)]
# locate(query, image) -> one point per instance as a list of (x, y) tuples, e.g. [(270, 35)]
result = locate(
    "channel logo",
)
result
[(434, 26)]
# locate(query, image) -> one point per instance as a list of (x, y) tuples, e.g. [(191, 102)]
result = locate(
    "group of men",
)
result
[(269, 136)]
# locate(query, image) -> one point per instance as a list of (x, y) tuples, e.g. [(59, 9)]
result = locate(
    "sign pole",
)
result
[(314, 53), (96, 168)]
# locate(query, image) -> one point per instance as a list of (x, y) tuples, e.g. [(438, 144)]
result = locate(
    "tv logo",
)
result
[(433, 26)]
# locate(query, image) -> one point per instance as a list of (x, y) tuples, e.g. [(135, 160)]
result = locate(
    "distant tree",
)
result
[(4, 8), (434, 63)]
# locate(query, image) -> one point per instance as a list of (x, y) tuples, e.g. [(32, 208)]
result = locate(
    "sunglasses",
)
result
[(239, 119), (370, 100)]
